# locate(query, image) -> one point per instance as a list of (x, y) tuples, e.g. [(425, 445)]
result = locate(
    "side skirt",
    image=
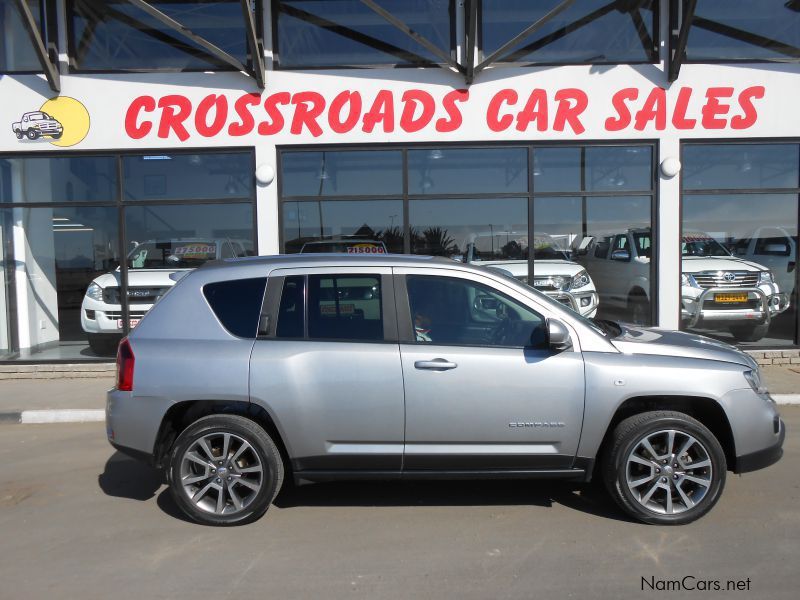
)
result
[(301, 477)]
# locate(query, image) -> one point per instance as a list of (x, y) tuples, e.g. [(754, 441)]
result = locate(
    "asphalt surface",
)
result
[(78, 520)]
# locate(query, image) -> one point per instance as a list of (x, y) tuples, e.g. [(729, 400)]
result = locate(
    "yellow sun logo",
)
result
[(72, 115)]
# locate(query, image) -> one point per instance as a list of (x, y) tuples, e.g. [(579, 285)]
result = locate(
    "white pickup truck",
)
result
[(150, 265), (718, 290), (36, 124), (554, 273)]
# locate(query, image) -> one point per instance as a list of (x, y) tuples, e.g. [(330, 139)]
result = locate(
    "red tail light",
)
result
[(125, 361)]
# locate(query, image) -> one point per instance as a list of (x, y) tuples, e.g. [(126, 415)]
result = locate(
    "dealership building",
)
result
[(638, 160)]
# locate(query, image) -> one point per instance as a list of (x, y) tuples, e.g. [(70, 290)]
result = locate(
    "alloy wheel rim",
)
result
[(669, 472), (221, 473)]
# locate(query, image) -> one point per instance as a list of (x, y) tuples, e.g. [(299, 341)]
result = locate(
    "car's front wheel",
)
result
[(749, 333), (664, 467), (32, 134), (224, 470)]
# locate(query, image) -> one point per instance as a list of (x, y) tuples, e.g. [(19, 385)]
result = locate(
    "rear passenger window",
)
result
[(345, 307), (237, 304)]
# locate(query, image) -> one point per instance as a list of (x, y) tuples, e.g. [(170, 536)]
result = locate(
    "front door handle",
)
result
[(437, 364)]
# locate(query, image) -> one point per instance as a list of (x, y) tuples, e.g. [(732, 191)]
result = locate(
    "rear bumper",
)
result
[(762, 458)]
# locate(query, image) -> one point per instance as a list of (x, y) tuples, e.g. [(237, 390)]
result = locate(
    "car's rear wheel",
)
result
[(664, 468), (18, 134), (103, 345), (749, 333), (224, 470)]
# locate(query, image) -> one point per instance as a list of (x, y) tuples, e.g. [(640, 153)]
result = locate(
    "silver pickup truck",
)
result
[(33, 125)]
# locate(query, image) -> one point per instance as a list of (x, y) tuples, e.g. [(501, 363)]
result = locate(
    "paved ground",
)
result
[(81, 521)]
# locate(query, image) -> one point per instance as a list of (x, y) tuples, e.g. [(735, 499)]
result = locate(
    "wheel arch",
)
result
[(182, 414), (706, 410)]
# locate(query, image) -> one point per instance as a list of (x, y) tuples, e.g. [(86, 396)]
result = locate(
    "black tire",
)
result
[(32, 134), (260, 443), (103, 345), (639, 309), (749, 333), (626, 438), (18, 133), (56, 136)]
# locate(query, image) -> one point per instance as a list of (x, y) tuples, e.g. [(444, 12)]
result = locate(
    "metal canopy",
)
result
[(212, 49), (49, 63)]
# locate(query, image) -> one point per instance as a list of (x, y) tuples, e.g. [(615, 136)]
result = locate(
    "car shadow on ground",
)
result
[(125, 477)]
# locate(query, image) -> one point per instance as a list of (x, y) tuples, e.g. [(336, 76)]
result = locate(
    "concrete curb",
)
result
[(54, 416)]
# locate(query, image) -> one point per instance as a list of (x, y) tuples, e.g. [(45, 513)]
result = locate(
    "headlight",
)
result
[(688, 280), (95, 292), (754, 379), (765, 277), (560, 282), (580, 280)]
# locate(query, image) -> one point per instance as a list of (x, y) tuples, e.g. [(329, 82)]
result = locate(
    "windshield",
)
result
[(37, 116), (513, 246), (702, 244), (175, 254)]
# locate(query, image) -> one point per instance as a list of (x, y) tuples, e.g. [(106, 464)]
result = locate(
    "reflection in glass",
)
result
[(467, 170), (449, 227), (342, 173), (16, 50), (64, 251), (556, 169), (379, 221), (618, 168), (117, 35), (188, 176), (740, 166), (59, 179), (739, 267), (610, 238), (591, 31), (7, 331), (324, 33), (744, 30)]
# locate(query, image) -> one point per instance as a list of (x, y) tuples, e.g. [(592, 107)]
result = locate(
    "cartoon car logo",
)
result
[(33, 125), (62, 121)]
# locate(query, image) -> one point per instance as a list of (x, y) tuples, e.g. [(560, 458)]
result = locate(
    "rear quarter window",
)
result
[(237, 304)]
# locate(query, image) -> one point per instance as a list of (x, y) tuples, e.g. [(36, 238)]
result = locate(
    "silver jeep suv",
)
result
[(328, 367)]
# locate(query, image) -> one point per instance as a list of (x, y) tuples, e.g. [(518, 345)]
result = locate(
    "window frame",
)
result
[(275, 285)]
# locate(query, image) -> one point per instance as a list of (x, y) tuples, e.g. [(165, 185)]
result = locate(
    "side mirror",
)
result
[(791, 266), (558, 336), (621, 255)]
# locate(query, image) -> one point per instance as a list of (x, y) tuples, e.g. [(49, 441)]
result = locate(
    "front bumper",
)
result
[(583, 303), (765, 457), (107, 318), (761, 307)]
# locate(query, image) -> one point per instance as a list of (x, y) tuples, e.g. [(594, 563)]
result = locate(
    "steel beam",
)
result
[(677, 54), (538, 24), (49, 67), (747, 37), (417, 37), (256, 51), (471, 40), (171, 23)]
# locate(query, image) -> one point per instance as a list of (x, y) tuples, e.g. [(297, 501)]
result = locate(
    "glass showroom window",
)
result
[(341, 33), (476, 204), (72, 283), (744, 30), (594, 31), (116, 35), (17, 54), (739, 244)]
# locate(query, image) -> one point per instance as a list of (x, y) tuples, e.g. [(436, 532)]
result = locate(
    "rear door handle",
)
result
[(437, 364)]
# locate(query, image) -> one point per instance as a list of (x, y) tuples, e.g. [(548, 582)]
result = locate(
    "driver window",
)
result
[(452, 311)]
